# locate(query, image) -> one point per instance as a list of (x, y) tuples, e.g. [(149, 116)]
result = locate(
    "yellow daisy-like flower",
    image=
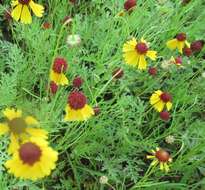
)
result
[(58, 78), (135, 52), (159, 100), (178, 43), (18, 128), (21, 10), (34, 159), (160, 157), (77, 108)]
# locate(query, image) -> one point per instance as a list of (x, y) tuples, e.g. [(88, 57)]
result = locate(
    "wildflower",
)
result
[(73, 40), (177, 61), (179, 42), (197, 46), (46, 25), (135, 52), (19, 128), (103, 180), (96, 110), (56, 74), (152, 71), (77, 82), (159, 100), (170, 139), (77, 108), (129, 5), (160, 157), (118, 73), (34, 159), (164, 115), (53, 87), (187, 51), (21, 10)]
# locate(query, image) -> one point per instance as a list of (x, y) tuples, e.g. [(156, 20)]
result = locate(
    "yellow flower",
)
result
[(77, 108), (33, 160), (178, 43), (135, 52), (18, 128), (161, 99), (58, 78), (162, 158), (21, 10)]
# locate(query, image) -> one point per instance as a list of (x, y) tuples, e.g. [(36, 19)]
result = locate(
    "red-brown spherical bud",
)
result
[(46, 25), (162, 155), (118, 73), (181, 37), (24, 2), (187, 51), (165, 97), (164, 115), (53, 87), (129, 4), (29, 153), (152, 71), (60, 65), (77, 82), (77, 100), (141, 48), (178, 60), (197, 46)]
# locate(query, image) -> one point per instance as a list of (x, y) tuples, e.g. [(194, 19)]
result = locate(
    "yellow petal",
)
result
[(59, 79), (159, 106), (154, 162), (31, 120), (187, 44), (166, 167), (169, 105), (40, 133), (16, 12), (172, 44), (3, 129), (150, 156), (180, 46), (130, 45), (37, 9), (154, 99), (131, 58), (12, 113), (161, 166), (26, 15), (142, 63), (14, 144), (152, 55), (14, 3)]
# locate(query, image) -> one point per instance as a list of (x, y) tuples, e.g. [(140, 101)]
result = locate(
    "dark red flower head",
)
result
[(141, 48), (178, 60), (152, 71), (60, 65), (24, 2), (181, 37), (53, 87), (46, 25), (164, 115), (118, 73), (165, 97), (187, 51), (29, 153), (77, 100), (162, 155), (77, 82), (129, 4), (197, 46)]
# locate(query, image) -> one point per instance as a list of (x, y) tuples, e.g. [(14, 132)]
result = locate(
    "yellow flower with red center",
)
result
[(160, 157), (21, 10), (19, 128), (135, 52), (57, 72), (177, 61), (178, 43), (159, 100), (34, 159), (77, 108)]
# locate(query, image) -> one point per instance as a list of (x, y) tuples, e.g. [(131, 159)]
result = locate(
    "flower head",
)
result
[(197, 46), (19, 128), (159, 100), (129, 4), (34, 159), (160, 157), (21, 10), (135, 52), (152, 71), (179, 42), (53, 87), (164, 115), (77, 82), (187, 51), (77, 108), (73, 40)]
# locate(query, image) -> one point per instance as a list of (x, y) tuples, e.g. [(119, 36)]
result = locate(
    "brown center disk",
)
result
[(162, 155), (141, 48), (165, 97), (77, 100), (17, 125), (24, 2), (29, 153)]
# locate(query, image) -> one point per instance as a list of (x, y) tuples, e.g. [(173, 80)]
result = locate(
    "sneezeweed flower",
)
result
[(164, 115), (177, 61), (179, 42), (77, 108), (197, 46), (19, 128), (57, 72), (152, 71), (118, 73), (73, 40), (187, 51), (21, 10), (160, 157), (53, 87), (135, 52), (159, 100), (77, 82), (33, 160), (130, 5)]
